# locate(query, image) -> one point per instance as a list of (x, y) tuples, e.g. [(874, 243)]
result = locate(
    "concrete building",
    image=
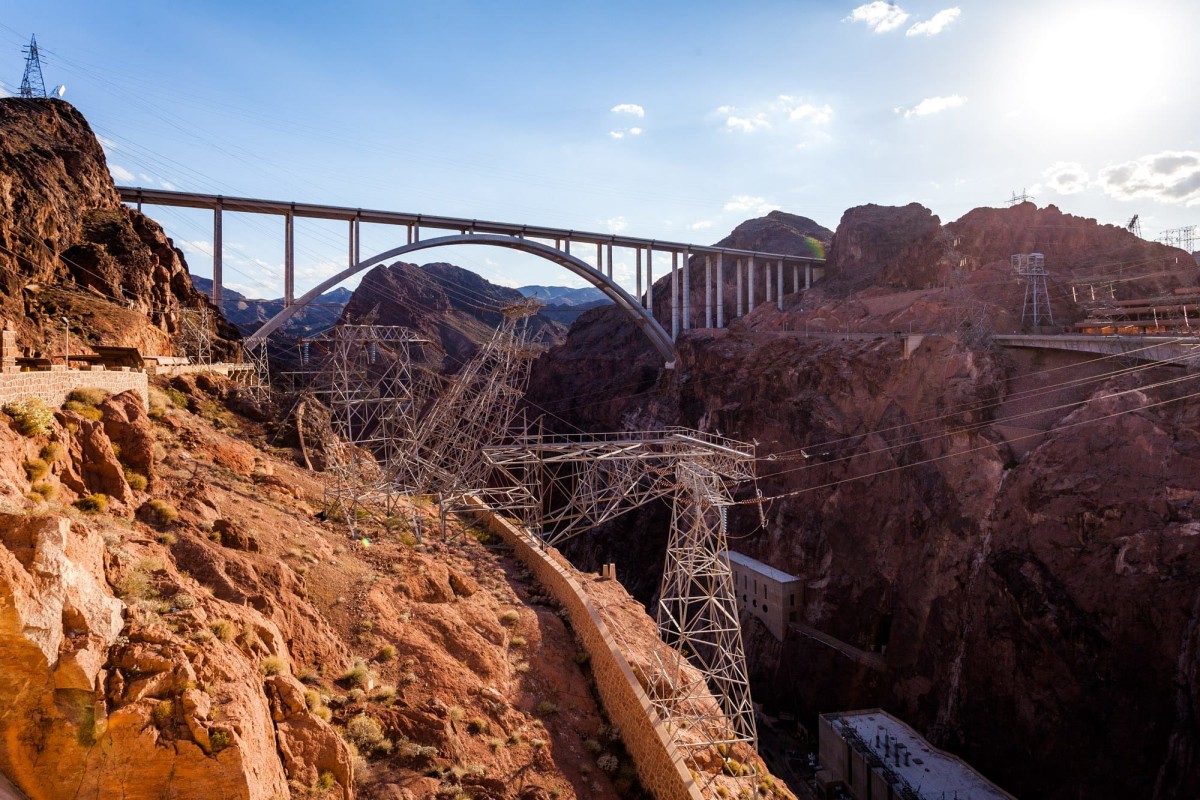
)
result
[(875, 756), (770, 594)]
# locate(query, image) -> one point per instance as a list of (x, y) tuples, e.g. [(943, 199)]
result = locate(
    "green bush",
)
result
[(163, 712), (386, 653), (53, 451), (94, 503), (219, 740), (87, 395), (366, 734), (162, 513), (36, 468), (357, 675), (32, 416), (85, 411), (47, 491), (136, 480)]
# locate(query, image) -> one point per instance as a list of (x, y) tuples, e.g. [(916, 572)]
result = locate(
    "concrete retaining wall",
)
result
[(53, 386), (659, 764)]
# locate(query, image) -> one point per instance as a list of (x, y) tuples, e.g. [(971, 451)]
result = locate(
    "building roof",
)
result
[(931, 773), (766, 570)]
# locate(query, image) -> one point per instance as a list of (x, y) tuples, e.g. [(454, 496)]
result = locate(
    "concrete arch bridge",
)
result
[(753, 269)]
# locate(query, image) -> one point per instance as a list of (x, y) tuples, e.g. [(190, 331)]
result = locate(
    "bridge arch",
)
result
[(642, 316)]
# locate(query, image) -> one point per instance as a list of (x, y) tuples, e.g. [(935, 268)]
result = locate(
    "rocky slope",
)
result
[(1030, 582), (208, 632), (69, 247), (454, 307)]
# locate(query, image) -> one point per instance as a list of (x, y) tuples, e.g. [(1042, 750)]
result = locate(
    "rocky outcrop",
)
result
[(1028, 582), (895, 247), (64, 226)]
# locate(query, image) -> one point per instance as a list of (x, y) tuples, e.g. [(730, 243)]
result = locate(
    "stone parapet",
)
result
[(660, 765), (53, 387)]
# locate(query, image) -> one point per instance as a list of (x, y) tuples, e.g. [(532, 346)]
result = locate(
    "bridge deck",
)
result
[(1168, 349)]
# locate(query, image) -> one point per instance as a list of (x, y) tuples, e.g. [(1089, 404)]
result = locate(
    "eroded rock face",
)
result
[(63, 223), (898, 247)]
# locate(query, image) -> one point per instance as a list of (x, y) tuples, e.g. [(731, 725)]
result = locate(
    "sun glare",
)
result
[(1088, 66)]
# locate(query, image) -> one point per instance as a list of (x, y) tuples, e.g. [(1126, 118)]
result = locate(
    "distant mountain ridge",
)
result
[(563, 295), (248, 314)]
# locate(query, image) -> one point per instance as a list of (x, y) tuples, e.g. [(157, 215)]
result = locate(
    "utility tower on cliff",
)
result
[(1032, 267), (32, 84)]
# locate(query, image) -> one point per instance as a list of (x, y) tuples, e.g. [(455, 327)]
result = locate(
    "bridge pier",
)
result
[(650, 280), (289, 259), (217, 276), (687, 291), (720, 290), (674, 295), (779, 287), (741, 289), (750, 304), (708, 292)]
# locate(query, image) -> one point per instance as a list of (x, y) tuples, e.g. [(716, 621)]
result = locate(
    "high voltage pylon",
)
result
[(32, 84), (1184, 238), (1032, 267), (195, 335), (371, 381), (561, 485)]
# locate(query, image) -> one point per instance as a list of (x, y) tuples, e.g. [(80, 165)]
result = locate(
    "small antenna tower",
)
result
[(1183, 238), (1134, 226), (32, 84), (1032, 267), (1019, 198)]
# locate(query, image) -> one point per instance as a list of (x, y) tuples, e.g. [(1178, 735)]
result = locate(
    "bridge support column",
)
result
[(808, 276), (741, 289), (650, 280), (687, 290), (767, 280), (720, 290), (750, 299), (795, 277), (708, 293), (637, 269), (289, 259), (779, 286), (355, 246), (610, 266), (217, 277), (674, 295)]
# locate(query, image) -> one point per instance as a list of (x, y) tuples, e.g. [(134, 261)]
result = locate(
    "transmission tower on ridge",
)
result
[(1032, 267), (1019, 198), (32, 84), (1134, 226), (1183, 238)]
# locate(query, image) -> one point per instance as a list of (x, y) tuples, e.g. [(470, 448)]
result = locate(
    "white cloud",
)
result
[(806, 112), (120, 173), (635, 131), (702, 225), (1167, 177), (629, 108), (108, 144), (168, 185), (747, 124), (615, 224), (617, 134), (879, 16), (755, 205), (1066, 177), (932, 105), (935, 25)]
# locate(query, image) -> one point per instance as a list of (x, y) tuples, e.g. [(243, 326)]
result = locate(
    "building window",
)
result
[(791, 616), (764, 608)]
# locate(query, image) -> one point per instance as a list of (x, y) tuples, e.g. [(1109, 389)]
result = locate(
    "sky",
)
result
[(667, 120)]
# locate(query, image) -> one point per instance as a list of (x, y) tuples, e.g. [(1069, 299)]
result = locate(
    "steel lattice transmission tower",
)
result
[(32, 84), (1032, 267), (370, 381), (196, 334), (561, 485), (1184, 238), (442, 455)]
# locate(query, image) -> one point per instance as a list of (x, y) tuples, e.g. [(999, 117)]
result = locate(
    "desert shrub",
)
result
[(366, 734), (167, 538), (495, 743), (384, 693), (164, 710), (183, 600), (456, 713), (592, 746), (477, 725), (312, 699), (93, 503), (85, 411), (359, 674), (53, 451), (137, 584), (733, 768), (517, 641), (325, 782), (272, 665), (509, 617), (32, 416), (46, 491), (386, 653), (161, 512), (223, 629), (87, 395), (546, 708), (323, 712), (219, 740), (136, 480), (36, 469)]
